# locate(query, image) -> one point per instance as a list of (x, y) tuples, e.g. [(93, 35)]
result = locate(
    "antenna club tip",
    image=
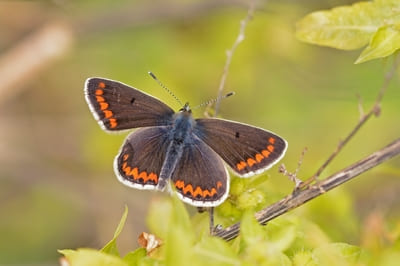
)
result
[(230, 94), (152, 75)]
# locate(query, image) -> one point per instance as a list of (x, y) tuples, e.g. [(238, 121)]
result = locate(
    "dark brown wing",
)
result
[(246, 149), (117, 106)]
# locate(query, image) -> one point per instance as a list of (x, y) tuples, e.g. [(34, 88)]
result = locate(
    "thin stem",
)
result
[(230, 52), (375, 110)]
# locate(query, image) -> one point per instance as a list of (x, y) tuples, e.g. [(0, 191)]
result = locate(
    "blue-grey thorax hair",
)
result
[(179, 136)]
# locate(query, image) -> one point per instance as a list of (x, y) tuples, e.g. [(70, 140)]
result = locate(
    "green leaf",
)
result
[(180, 236), (216, 250), (303, 258), (281, 233), (384, 43), (133, 258), (111, 247), (348, 27), (250, 230), (85, 256), (158, 216), (336, 254)]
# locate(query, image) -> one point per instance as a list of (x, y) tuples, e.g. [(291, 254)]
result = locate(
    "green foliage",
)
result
[(111, 247), (288, 240), (376, 24), (86, 256), (274, 244)]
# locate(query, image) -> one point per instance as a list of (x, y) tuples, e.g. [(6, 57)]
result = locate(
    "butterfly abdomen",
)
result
[(178, 138)]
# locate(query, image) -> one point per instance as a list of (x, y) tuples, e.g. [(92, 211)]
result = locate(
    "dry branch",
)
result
[(300, 197)]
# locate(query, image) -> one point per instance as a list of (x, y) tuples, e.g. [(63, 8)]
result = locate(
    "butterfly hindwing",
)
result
[(246, 149), (117, 106), (200, 177), (141, 157)]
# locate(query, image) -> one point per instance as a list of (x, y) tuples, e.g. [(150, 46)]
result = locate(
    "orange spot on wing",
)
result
[(125, 157), (126, 169), (213, 192), (153, 177), (259, 157), (113, 122), (271, 140), (107, 113), (99, 92), (266, 153), (197, 191), (206, 193), (134, 173), (188, 188), (143, 175), (179, 184), (241, 165), (103, 105), (251, 162), (270, 148), (102, 85), (100, 99)]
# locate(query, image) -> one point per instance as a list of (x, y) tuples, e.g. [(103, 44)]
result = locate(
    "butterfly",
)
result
[(173, 149)]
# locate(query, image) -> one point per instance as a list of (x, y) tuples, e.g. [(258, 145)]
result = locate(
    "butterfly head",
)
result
[(186, 109)]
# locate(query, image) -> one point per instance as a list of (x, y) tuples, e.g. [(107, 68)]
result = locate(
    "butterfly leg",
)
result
[(211, 216)]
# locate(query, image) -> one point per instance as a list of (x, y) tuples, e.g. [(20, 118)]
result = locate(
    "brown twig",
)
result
[(295, 200), (375, 110)]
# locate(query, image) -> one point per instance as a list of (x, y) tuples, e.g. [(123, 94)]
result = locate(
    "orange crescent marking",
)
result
[(103, 106), (197, 191), (179, 184), (270, 148), (188, 188), (143, 175), (206, 193), (271, 140), (152, 176), (125, 157), (108, 113), (259, 157), (251, 162), (99, 92), (126, 169), (266, 153), (241, 165), (113, 122), (102, 85), (213, 192), (134, 172), (100, 99)]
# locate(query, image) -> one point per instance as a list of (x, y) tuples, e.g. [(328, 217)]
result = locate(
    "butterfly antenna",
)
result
[(214, 100), (165, 87)]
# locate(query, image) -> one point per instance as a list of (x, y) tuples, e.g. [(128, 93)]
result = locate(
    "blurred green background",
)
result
[(57, 186)]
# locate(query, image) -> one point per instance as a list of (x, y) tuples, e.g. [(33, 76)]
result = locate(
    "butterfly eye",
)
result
[(133, 100)]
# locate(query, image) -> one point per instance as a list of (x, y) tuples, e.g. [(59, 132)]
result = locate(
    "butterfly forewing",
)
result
[(246, 149), (117, 106), (140, 159), (200, 177)]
